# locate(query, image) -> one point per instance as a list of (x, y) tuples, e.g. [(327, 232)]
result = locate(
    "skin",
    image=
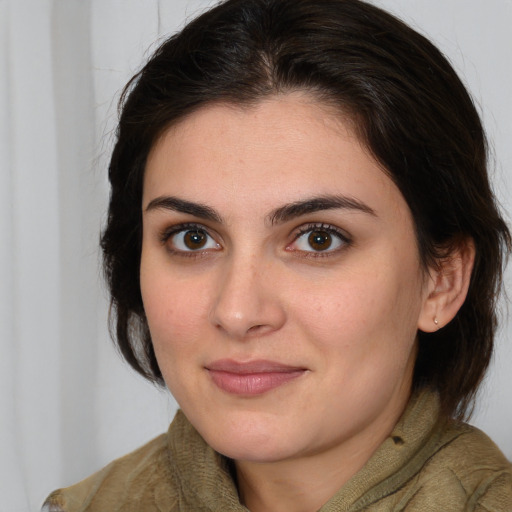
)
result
[(347, 316)]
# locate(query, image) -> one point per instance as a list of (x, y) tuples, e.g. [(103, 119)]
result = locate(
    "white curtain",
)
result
[(67, 403)]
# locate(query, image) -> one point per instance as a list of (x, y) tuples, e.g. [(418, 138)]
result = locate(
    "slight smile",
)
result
[(251, 378)]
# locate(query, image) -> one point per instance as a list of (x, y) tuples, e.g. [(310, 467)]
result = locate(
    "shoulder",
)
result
[(470, 452), (138, 481), (469, 468)]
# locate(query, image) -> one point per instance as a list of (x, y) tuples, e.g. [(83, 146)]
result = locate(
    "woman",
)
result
[(303, 245)]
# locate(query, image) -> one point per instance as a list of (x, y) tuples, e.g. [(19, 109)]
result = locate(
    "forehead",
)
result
[(279, 150)]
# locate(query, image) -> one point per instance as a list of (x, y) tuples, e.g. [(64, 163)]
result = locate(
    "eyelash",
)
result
[(327, 228), (168, 233)]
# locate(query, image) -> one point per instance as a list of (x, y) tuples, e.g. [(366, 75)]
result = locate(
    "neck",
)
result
[(293, 486), (306, 482)]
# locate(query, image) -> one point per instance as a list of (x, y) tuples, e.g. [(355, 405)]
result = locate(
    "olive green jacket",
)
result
[(424, 465)]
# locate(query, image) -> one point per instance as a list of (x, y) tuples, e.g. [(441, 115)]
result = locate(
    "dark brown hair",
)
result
[(409, 107)]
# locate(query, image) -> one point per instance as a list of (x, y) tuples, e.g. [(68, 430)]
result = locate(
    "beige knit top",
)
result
[(424, 465)]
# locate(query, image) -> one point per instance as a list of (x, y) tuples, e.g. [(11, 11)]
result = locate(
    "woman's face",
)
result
[(281, 280)]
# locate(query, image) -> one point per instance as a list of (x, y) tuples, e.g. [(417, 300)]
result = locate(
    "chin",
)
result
[(249, 439), (253, 450)]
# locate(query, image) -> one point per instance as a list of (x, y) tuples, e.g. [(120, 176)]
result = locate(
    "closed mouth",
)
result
[(253, 377)]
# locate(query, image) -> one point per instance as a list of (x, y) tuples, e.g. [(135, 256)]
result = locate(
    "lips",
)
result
[(253, 377)]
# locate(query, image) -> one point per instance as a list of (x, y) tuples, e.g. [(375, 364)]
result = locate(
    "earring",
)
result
[(436, 321)]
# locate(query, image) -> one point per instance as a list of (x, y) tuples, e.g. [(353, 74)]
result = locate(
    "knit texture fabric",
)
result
[(426, 465)]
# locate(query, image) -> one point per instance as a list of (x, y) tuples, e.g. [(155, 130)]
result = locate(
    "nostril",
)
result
[(255, 328), (240, 313)]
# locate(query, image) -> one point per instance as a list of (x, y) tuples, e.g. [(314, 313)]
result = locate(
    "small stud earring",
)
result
[(436, 320)]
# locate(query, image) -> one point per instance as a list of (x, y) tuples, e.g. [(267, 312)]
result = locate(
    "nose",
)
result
[(247, 302)]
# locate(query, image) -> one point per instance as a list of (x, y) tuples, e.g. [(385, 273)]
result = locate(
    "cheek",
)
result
[(362, 311), (174, 310), (175, 318)]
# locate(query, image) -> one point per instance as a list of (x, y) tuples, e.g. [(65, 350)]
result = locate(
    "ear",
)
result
[(447, 287)]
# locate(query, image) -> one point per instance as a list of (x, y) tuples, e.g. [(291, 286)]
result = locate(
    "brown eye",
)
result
[(190, 239), (195, 239), (320, 240)]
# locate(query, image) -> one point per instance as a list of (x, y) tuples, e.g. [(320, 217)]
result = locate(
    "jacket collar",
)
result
[(206, 477)]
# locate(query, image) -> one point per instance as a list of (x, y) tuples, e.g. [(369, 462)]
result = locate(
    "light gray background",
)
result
[(67, 403)]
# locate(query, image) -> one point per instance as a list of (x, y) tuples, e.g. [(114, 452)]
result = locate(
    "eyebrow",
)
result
[(316, 204), (183, 206), (279, 215)]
